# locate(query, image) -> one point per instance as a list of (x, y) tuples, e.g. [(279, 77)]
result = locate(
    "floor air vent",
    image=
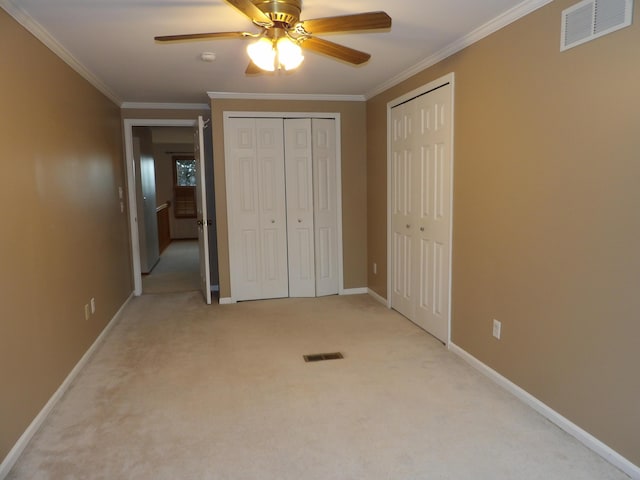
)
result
[(590, 19), (318, 357)]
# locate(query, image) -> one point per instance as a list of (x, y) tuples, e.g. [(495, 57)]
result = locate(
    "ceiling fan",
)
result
[(283, 34)]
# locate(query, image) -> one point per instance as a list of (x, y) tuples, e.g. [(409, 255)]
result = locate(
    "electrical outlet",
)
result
[(87, 312), (375, 268), (497, 328), (93, 305)]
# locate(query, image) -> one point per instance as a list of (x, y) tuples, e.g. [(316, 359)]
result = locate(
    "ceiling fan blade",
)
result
[(335, 50), (199, 36), (250, 10), (348, 23)]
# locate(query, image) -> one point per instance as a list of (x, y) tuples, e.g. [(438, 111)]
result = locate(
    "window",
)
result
[(184, 187), (185, 172)]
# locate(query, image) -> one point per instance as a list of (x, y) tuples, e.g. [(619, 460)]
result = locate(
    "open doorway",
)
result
[(164, 227), (176, 268)]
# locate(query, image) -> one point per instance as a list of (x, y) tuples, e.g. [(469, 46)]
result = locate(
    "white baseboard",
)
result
[(379, 298), (565, 424), (353, 291), (13, 455), (346, 291)]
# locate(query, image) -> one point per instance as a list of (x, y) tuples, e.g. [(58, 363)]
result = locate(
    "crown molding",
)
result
[(165, 106), (38, 31), (285, 96), (506, 18)]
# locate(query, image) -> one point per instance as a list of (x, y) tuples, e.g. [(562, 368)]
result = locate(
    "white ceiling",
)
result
[(111, 43)]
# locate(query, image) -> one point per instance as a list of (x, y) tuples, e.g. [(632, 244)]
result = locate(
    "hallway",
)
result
[(178, 269)]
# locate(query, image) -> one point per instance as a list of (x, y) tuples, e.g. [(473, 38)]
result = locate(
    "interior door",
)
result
[(325, 205), (201, 202), (421, 210), (146, 198), (300, 225), (254, 152)]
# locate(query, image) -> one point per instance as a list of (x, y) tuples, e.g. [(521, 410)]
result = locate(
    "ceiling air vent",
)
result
[(591, 19)]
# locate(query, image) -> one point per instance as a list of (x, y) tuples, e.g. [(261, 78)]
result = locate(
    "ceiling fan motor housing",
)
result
[(282, 11)]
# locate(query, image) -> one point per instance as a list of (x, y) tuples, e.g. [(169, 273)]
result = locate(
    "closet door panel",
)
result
[(403, 186), (434, 140), (300, 223), (325, 205), (273, 217), (244, 231), (255, 197)]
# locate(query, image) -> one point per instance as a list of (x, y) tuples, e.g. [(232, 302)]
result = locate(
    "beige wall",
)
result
[(63, 238), (546, 224), (352, 117)]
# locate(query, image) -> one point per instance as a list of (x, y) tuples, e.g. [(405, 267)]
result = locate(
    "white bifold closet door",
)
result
[(421, 210), (289, 238)]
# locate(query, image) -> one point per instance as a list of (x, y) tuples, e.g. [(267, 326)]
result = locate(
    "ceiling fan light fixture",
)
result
[(283, 35), (289, 53), (262, 54)]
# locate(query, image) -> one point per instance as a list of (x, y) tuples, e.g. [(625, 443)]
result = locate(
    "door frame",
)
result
[(446, 79), (128, 124), (328, 115)]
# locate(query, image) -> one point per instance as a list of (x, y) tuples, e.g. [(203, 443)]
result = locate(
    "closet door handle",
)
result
[(299, 220), (422, 229), (408, 226), (273, 221)]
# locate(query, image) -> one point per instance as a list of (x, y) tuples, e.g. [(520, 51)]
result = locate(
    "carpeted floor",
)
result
[(180, 390), (178, 269)]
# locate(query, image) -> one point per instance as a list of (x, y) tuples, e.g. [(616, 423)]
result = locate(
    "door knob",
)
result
[(422, 229), (299, 220), (273, 221), (408, 226)]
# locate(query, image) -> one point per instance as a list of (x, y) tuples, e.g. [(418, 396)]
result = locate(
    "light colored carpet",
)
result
[(180, 390), (178, 269)]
